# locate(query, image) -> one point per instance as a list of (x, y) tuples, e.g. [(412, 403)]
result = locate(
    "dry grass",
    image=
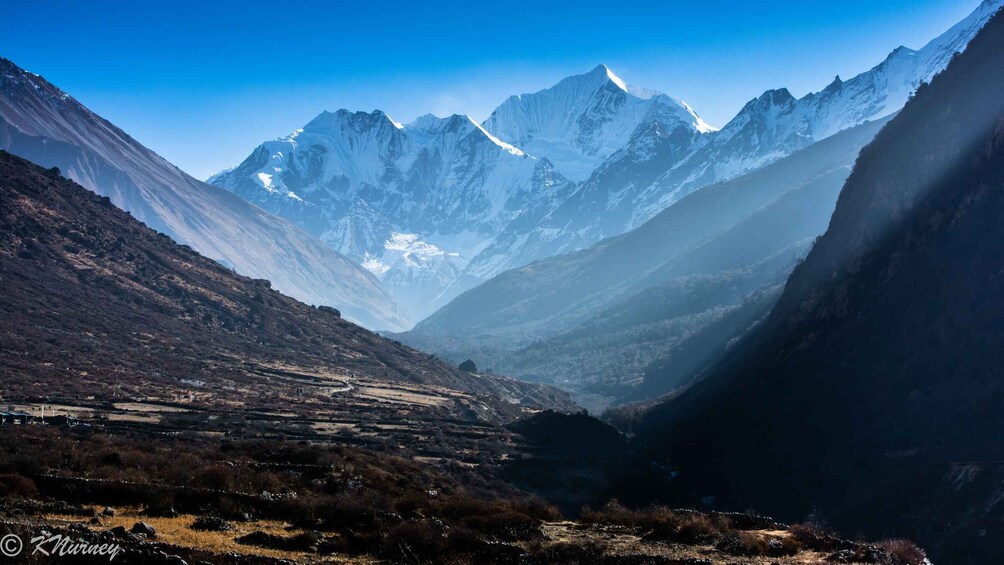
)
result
[(177, 531), (622, 541)]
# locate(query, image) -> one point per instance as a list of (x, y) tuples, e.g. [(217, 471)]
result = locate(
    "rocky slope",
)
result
[(46, 125), (95, 301)]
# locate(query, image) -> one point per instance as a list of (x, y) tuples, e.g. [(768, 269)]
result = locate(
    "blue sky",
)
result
[(202, 83)]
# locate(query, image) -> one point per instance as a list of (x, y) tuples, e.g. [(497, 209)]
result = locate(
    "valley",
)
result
[(580, 325)]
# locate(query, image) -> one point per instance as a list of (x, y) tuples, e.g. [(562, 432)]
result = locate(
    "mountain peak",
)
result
[(327, 121), (769, 99), (835, 85), (431, 123), (604, 73), (901, 51)]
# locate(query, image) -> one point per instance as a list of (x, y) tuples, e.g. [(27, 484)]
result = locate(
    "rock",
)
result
[(108, 511), (842, 556), (142, 528), (330, 310), (468, 366), (212, 524)]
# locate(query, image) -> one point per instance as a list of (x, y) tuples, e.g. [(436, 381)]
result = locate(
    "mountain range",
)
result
[(409, 202), (438, 206), (624, 318), (594, 321)]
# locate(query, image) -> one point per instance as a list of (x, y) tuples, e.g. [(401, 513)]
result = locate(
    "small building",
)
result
[(9, 418)]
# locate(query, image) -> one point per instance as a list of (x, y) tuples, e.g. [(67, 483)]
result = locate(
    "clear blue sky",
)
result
[(203, 83)]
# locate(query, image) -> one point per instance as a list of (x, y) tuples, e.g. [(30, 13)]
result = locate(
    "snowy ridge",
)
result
[(774, 124), (412, 203), (583, 119)]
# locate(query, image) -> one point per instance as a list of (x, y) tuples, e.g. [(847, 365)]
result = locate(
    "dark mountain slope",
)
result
[(93, 300), (873, 392), (49, 127)]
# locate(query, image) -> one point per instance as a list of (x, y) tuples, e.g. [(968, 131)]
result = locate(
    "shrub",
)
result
[(814, 536), (219, 477), (536, 507), (903, 552), (698, 528), (14, 485), (504, 525), (615, 513), (415, 541), (661, 523)]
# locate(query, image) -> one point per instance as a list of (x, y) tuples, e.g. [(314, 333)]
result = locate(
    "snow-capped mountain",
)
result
[(412, 203), (43, 124), (657, 166), (440, 205), (416, 203), (583, 119)]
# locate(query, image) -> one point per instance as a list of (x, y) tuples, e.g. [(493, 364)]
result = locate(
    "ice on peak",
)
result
[(699, 124), (615, 79), (432, 124), (508, 147)]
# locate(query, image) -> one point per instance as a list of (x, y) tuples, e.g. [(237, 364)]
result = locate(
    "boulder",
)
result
[(143, 529)]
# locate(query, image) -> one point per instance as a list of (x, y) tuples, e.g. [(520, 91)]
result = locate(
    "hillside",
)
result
[(872, 393), (47, 126), (97, 304)]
